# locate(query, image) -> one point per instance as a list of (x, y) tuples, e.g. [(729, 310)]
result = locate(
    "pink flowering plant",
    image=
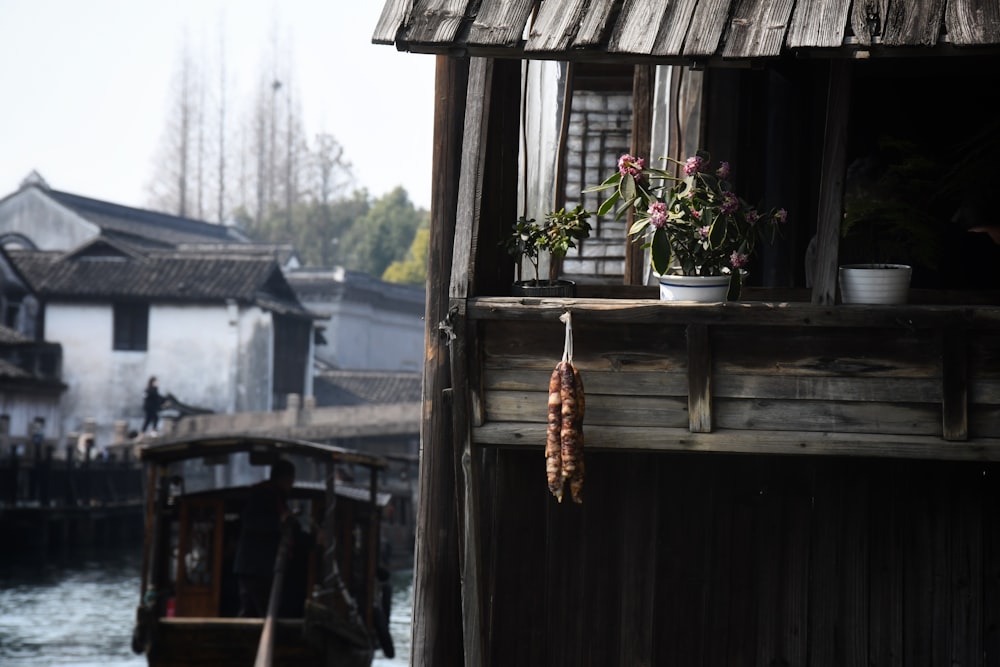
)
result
[(694, 223)]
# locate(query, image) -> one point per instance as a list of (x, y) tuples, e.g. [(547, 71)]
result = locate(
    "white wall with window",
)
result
[(218, 357)]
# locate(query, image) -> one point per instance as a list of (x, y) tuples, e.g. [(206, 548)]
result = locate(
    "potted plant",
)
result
[(529, 241), (697, 229), (888, 225)]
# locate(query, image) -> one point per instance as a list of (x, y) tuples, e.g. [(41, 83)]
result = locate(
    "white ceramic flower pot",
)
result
[(874, 283), (703, 289)]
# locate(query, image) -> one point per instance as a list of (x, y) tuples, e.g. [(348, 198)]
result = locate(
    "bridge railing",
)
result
[(35, 477)]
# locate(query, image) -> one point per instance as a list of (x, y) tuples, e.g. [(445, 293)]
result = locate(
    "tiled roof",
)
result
[(319, 286), (145, 227), (360, 387), (681, 32), (194, 277)]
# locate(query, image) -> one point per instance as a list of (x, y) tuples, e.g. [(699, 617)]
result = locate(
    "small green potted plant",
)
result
[(529, 241)]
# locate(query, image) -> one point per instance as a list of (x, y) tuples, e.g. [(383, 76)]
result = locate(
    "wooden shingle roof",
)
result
[(681, 31)]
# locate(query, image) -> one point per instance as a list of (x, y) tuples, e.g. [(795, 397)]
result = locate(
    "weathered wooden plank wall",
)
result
[(729, 560), (814, 380)]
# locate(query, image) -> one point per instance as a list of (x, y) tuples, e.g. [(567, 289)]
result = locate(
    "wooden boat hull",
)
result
[(225, 642)]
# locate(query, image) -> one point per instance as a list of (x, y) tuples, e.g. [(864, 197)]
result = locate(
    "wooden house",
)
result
[(779, 480)]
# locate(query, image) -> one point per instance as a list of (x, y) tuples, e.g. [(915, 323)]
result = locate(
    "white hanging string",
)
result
[(567, 317)]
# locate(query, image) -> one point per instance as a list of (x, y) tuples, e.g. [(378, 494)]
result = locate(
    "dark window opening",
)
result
[(131, 326), (919, 186)]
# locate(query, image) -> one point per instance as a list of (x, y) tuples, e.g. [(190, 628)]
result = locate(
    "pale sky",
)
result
[(85, 87)]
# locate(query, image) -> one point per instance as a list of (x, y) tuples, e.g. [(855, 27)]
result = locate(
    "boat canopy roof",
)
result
[(222, 445)]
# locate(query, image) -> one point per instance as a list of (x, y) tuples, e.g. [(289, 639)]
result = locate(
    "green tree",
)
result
[(315, 228), (413, 269), (383, 235)]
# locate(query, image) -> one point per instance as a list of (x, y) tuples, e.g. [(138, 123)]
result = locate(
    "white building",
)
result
[(131, 293), (368, 324)]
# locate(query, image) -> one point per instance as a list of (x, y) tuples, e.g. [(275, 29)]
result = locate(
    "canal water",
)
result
[(78, 611)]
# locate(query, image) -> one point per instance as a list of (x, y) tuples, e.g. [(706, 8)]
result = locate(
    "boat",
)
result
[(329, 601)]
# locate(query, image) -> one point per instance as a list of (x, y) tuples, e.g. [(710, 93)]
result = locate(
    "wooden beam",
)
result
[(474, 158), (643, 81), (748, 313), (831, 187), (955, 384), (436, 587), (744, 441), (471, 176), (699, 379), (467, 475)]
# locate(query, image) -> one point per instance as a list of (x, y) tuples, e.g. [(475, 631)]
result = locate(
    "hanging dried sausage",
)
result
[(576, 475), (571, 435), (553, 452)]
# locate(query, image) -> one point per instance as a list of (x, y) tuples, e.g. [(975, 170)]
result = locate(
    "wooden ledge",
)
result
[(627, 438), (759, 313)]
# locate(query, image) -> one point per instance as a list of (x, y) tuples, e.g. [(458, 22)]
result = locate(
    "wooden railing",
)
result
[(919, 381), (37, 479)]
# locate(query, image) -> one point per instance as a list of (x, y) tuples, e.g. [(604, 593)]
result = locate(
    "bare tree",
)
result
[(173, 179), (221, 129), (330, 172)]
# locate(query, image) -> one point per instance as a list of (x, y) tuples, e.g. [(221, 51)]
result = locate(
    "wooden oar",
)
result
[(265, 649)]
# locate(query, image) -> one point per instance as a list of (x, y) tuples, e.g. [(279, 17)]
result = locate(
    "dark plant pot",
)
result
[(543, 288)]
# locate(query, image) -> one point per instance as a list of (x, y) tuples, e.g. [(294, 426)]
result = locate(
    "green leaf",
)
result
[(608, 203), (610, 182), (628, 189), (660, 252), (717, 232), (638, 226)]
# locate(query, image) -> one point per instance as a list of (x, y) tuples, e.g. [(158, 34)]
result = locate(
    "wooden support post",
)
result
[(831, 187), (955, 384), (470, 192), (699, 379), (436, 586), (642, 139), (467, 473)]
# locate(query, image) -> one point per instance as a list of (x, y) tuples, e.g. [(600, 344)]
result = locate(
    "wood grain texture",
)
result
[(555, 26), (868, 19), (730, 561), (394, 15), (972, 22), (652, 27), (617, 30), (757, 28), (436, 586), (643, 83), (831, 192), (763, 442), (500, 23), (708, 23), (752, 313), (955, 384), (594, 26), (818, 24), (913, 23), (654, 411), (434, 21), (699, 379), (470, 183)]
